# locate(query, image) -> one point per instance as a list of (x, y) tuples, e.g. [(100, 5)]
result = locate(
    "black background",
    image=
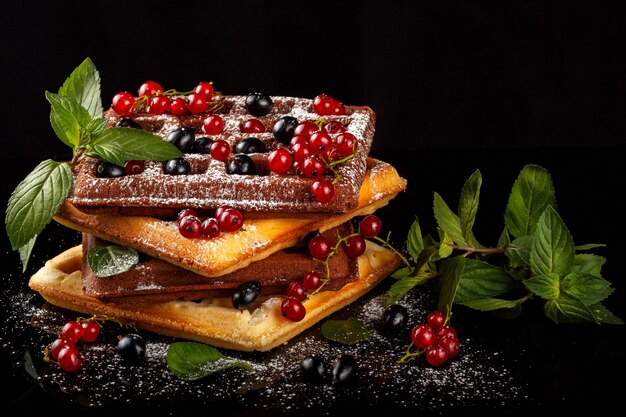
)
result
[(456, 85)]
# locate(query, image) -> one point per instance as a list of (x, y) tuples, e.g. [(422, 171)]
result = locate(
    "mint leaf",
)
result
[(589, 246), (96, 126), (565, 309), (68, 118), (532, 192), (118, 145), (447, 220), (518, 251), (490, 304), (603, 315), (348, 332), (414, 241), (504, 239), (481, 280), (552, 246), (35, 200), (588, 263), (25, 252), (191, 361), (406, 282), (83, 85), (106, 261), (586, 288), (445, 248), (468, 204), (545, 286), (451, 271)]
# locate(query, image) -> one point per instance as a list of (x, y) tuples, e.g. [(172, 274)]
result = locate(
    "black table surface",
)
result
[(547, 366)]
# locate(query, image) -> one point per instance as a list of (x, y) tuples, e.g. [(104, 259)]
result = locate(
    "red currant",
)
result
[(230, 220), (187, 212), (306, 129), (252, 126), (296, 290), (149, 88), (279, 160), (298, 139), (292, 309), (205, 90), (56, 347), (330, 154), (220, 149), (320, 141), (346, 144), (313, 167), (322, 105), (123, 103), (197, 103), (447, 331), (300, 151), (211, 228), (178, 107), (436, 319), (423, 336), (337, 109), (190, 227), (354, 246), (312, 280), (370, 227), (133, 167), (334, 127), (319, 247), (220, 210), (436, 356), (213, 125), (159, 105), (322, 190), (69, 359), (92, 330), (72, 332), (451, 345)]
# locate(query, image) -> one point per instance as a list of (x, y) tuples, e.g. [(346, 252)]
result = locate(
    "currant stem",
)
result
[(388, 245)]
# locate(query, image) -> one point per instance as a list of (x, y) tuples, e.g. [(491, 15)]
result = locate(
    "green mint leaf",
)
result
[(588, 263), (603, 315), (191, 361), (518, 251), (468, 204), (118, 145), (96, 126), (532, 192), (25, 252), (445, 248), (545, 286), (586, 288), (406, 282), (68, 118), (589, 246), (106, 261), (83, 85), (490, 304), (451, 271), (552, 246), (347, 332), (480, 280), (35, 200), (504, 240), (565, 309), (414, 241), (447, 220)]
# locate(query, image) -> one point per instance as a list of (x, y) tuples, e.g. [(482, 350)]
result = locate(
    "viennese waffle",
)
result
[(208, 185)]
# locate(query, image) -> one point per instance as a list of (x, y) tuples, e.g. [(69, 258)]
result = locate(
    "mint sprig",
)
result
[(540, 259), (77, 120), (191, 361), (348, 332), (106, 261)]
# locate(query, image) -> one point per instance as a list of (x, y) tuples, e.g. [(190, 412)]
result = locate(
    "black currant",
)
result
[(284, 128), (250, 145), (132, 348), (241, 165), (182, 138), (126, 122), (108, 170), (259, 104), (246, 294), (177, 166), (345, 369), (313, 369), (394, 318), (202, 145)]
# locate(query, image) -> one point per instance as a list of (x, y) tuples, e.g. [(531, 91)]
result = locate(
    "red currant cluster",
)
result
[(438, 341), (226, 219), (64, 349), (152, 99), (321, 248), (325, 105)]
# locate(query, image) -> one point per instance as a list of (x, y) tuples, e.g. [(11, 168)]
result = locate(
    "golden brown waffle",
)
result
[(258, 239), (209, 186), (211, 321)]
